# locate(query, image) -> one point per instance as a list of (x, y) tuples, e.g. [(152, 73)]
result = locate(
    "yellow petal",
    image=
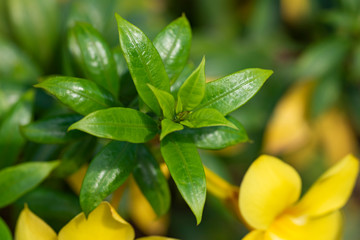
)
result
[(103, 223), (288, 129), (255, 235), (155, 238), (294, 10), (332, 190), (328, 227), (268, 188), (218, 186), (30, 227), (143, 215)]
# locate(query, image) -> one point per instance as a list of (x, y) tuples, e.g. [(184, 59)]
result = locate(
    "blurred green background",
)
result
[(312, 46)]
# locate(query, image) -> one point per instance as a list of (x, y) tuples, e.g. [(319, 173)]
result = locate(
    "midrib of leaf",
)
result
[(81, 94), (225, 93), (172, 46)]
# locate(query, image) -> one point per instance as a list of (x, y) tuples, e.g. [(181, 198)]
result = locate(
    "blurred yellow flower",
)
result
[(103, 223), (268, 200)]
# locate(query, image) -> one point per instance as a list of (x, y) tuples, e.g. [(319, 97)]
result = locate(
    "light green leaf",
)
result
[(151, 181), (107, 171), (166, 102), (168, 126), (122, 124), (93, 55), (143, 61), (11, 140), (52, 130), (231, 92), (193, 90), (10, 93), (207, 117), (35, 24), (184, 163), (173, 44), (17, 180), (81, 95), (217, 137), (5, 233)]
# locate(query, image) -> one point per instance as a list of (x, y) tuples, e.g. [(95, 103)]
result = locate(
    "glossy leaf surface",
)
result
[(217, 137), (193, 90), (122, 124), (229, 93), (81, 95), (52, 130), (11, 140), (173, 44), (166, 102), (17, 180), (91, 53), (144, 62), (151, 181), (184, 163), (168, 126), (107, 171), (206, 117)]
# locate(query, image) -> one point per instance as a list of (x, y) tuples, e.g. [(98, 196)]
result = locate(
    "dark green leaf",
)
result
[(52, 130), (107, 171), (122, 124), (173, 44), (229, 93), (143, 61), (35, 25), (184, 163), (193, 90), (151, 181), (217, 137), (166, 102), (168, 126), (74, 156), (11, 140), (17, 180), (93, 56), (5, 233), (15, 65), (81, 95), (206, 117), (322, 58)]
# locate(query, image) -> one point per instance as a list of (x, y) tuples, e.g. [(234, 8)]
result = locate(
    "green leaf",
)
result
[(188, 69), (16, 65), (207, 117), (35, 24), (10, 93), (5, 233), (231, 92), (217, 137), (81, 95), (17, 180), (151, 181), (193, 90), (166, 102), (143, 61), (11, 140), (93, 55), (107, 171), (321, 58), (74, 156), (122, 124), (173, 44), (184, 163), (168, 126), (52, 130)]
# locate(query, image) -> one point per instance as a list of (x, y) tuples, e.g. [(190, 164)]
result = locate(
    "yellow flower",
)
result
[(268, 200), (103, 223)]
